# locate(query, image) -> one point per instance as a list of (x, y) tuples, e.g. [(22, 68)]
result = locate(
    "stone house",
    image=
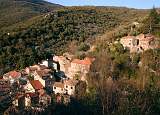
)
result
[(70, 86), (80, 67), (138, 43), (12, 76), (65, 87), (22, 100), (38, 87), (58, 88), (45, 76), (5, 88), (28, 88), (44, 100), (32, 69), (47, 63), (63, 62)]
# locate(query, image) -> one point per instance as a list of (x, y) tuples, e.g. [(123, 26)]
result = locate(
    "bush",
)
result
[(83, 47)]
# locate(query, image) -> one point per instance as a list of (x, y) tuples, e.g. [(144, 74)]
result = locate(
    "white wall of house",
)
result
[(70, 90), (28, 88), (58, 90), (27, 101), (11, 79), (15, 102), (45, 62), (37, 77), (143, 43), (126, 42), (55, 66), (79, 68), (27, 70)]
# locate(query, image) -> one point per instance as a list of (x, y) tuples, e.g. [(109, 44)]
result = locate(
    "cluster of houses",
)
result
[(35, 85), (139, 43)]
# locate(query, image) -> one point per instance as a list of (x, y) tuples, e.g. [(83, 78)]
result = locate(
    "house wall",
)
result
[(45, 100), (27, 70), (15, 102), (45, 63), (58, 90), (37, 77), (137, 44), (126, 42), (70, 90), (79, 68), (27, 101), (55, 66), (28, 88)]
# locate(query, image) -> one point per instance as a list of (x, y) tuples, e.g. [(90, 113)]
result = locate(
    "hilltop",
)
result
[(15, 11)]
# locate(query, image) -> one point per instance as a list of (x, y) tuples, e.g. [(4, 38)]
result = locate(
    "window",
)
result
[(66, 86), (61, 89), (54, 87), (71, 87)]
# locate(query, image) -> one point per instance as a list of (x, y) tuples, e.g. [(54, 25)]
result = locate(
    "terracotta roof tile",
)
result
[(36, 84), (86, 61), (58, 84), (71, 82), (32, 94), (44, 72), (14, 74)]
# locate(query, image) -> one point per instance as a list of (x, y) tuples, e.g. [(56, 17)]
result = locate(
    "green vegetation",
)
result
[(152, 23), (118, 82), (84, 47), (124, 83), (36, 39), (16, 11)]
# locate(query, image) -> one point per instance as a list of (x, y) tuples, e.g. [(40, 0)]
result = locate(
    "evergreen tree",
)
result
[(151, 22)]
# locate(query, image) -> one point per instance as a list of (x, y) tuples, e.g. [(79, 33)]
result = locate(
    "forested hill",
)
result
[(34, 40), (15, 11)]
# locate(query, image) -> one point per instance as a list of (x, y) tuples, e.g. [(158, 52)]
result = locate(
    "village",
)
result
[(60, 77), (35, 85)]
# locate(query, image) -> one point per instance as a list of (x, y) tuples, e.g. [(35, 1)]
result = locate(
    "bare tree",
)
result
[(101, 79)]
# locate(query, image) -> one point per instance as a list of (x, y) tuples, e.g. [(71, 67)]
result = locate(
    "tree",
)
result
[(151, 22), (80, 89), (100, 77), (83, 47)]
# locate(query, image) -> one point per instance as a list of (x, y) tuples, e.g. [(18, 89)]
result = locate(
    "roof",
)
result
[(37, 67), (14, 74), (128, 37), (43, 67), (32, 68), (43, 72), (32, 94), (58, 58), (71, 82), (36, 84), (86, 61), (18, 95), (145, 37), (58, 84)]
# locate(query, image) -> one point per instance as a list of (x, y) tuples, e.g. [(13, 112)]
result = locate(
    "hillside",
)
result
[(35, 39), (15, 11)]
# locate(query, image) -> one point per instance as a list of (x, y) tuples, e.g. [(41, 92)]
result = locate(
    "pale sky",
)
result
[(127, 3)]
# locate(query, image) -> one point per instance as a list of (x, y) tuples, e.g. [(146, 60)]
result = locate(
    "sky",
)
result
[(141, 4)]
